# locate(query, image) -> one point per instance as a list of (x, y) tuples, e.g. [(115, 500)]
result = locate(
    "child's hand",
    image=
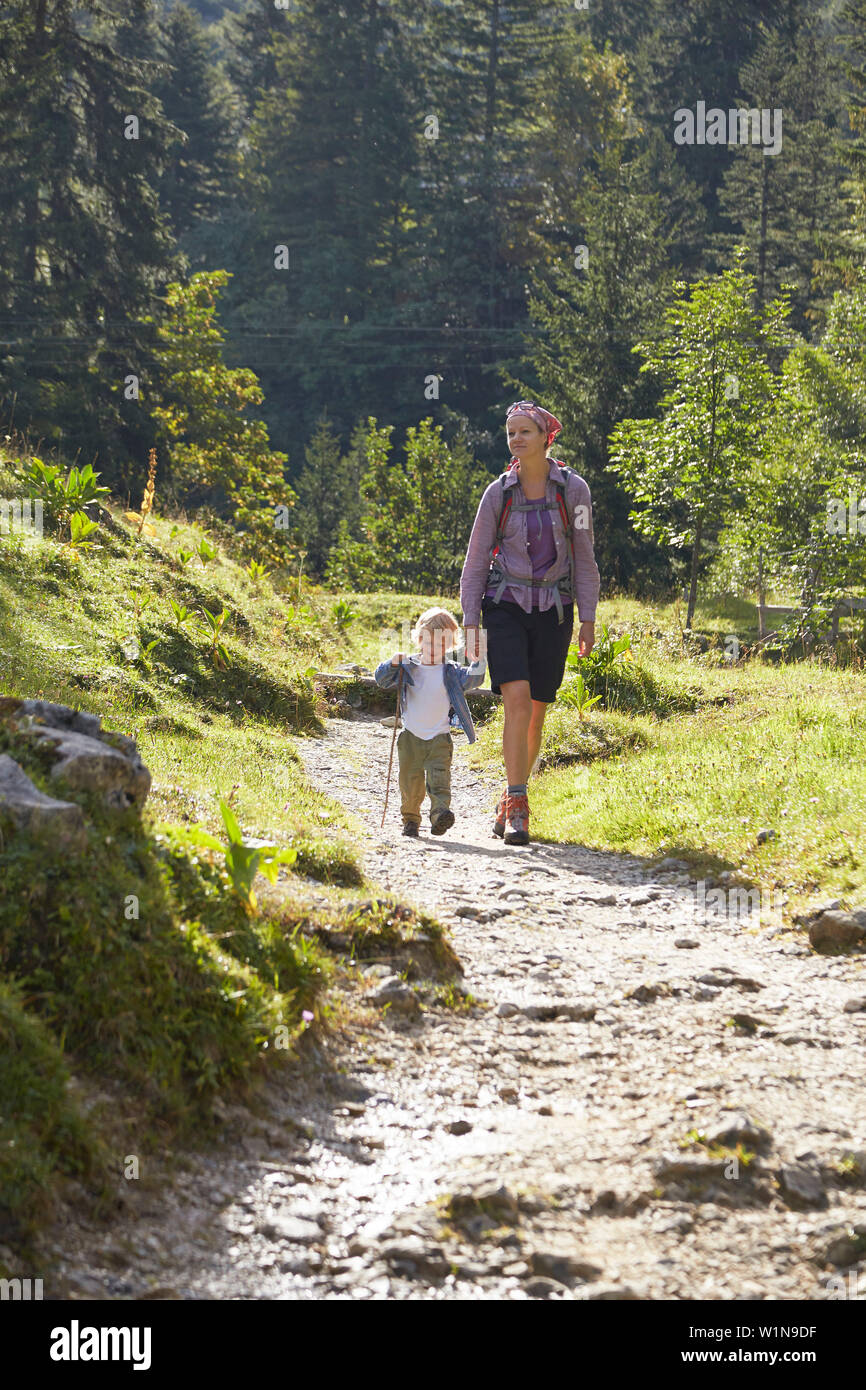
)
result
[(395, 660)]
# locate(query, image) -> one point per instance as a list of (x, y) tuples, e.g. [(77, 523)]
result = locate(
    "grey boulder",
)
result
[(56, 823), (88, 758)]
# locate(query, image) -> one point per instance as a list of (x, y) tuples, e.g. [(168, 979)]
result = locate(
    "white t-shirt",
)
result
[(427, 702)]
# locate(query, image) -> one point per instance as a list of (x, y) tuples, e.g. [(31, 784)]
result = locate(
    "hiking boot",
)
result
[(517, 820), (410, 827), (442, 822), (499, 823)]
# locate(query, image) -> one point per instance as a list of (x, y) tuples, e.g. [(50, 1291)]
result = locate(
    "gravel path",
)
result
[(538, 1147)]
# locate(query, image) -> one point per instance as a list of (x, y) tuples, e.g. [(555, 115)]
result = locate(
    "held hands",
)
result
[(395, 660), (472, 644)]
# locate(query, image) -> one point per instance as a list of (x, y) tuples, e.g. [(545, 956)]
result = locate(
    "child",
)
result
[(431, 686)]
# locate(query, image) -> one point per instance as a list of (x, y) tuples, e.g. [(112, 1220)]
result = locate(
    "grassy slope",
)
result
[(164, 1009)]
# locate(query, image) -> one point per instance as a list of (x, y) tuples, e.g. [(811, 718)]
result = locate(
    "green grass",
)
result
[(741, 748), (182, 995)]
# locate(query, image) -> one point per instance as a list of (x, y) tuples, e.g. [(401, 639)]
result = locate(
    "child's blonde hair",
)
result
[(435, 618)]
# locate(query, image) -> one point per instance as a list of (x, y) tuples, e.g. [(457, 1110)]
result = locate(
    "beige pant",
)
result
[(424, 760)]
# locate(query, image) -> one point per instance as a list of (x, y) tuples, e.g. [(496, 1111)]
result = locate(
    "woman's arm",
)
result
[(476, 566), (586, 576)]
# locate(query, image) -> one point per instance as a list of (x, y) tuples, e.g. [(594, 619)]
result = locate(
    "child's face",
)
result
[(433, 643)]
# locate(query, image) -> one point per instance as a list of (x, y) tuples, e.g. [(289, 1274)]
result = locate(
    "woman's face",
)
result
[(524, 436)]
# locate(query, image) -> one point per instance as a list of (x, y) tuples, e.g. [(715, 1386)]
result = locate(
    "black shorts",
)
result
[(525, 646)]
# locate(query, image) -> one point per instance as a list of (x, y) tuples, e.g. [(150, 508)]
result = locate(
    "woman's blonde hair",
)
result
[(435, 618)]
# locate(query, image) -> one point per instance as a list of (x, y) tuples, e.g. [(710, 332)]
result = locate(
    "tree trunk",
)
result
[(693, 587)]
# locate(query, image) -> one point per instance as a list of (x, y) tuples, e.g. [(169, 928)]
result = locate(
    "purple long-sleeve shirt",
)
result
[(515, 554)]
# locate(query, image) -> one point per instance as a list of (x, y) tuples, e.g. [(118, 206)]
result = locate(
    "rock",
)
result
[(507, 1010), (394, 992), (836, 931), (844, 1247), (544, 1288), (685, 943), (689, 1168), (414, 1255), (294, 1230), (739, 1128), (561, 1267), (57, 716), (459, 1127), (89, 758), (58, 824), (645, 994), (468, 911), (546, 1013), (802, 1186), (802, 919), (598, 1293), (489, 1199), (855, 1006), (765, 835)]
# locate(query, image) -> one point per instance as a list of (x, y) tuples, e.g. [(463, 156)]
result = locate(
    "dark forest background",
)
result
[(397, 192)]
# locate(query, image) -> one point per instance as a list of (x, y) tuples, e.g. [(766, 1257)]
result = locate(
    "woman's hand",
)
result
[(472, 644), (586, 638), (395, 660)]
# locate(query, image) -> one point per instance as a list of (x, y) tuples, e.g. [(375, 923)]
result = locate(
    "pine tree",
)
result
[(331, 152), (600, 270), (198, 182), (85, 248), (328, 491), (785, 206)]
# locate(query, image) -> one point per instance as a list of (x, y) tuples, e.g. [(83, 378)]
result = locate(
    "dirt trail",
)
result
[(549, 1126)]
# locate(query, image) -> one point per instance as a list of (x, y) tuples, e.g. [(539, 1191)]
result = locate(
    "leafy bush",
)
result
[(63, 496)]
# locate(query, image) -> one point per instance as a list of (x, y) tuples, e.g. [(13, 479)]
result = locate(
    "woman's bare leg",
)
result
[(515, 735), (536, 726)]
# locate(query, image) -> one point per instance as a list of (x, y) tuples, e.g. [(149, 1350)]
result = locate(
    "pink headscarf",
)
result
[(541, 417)]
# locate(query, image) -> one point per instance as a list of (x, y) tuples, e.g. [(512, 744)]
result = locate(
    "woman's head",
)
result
[(529, 426), (435, 632)]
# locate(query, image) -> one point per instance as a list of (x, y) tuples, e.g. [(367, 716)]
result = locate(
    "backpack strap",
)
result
[(498, 573), (566, 521), (504, 510)]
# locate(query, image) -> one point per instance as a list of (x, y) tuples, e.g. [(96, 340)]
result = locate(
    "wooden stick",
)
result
[(393, 739)]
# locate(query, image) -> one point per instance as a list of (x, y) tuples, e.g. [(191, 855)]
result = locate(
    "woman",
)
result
[(526, 602)]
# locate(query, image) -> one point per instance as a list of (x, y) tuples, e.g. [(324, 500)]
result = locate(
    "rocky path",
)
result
[(659, 1102)]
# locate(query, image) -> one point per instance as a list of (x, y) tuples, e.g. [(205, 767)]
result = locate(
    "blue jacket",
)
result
[(457, 679)]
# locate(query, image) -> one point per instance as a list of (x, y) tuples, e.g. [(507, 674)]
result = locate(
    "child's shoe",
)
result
[(499, 823), (410, 827), (442, 822), (517, 819)]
